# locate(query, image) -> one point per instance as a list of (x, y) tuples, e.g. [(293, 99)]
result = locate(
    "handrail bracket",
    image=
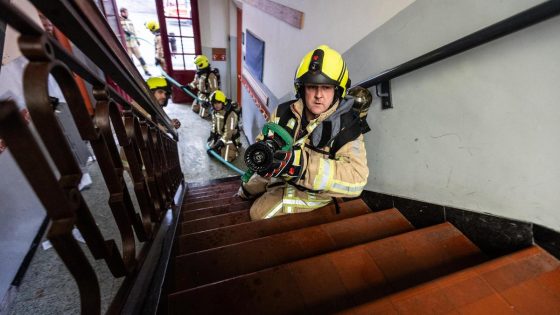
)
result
[(383, 90)]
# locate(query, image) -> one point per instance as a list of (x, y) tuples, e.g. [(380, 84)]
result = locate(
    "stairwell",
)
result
[(350, 261)]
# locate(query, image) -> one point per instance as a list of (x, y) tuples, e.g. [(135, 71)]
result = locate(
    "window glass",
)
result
[(254, 55), (178, 21), (179, 27)]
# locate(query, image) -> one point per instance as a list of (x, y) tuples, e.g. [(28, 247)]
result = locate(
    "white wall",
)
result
[(214, 30), (339, 24), (232, 53), (214, 22), (478, 131)]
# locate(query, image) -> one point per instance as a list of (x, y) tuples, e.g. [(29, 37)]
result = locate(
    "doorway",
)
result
[(180, 35)]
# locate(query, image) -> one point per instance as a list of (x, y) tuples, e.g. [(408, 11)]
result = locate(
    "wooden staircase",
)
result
[(351, 261)]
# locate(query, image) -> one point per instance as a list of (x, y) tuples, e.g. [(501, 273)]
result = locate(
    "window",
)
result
[(254, 55), (178, 21)]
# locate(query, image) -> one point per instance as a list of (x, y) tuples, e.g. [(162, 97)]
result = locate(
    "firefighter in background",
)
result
[(224, 136), (205, 81), (153, 27), (162, 92), (132, 42), (328, 157)]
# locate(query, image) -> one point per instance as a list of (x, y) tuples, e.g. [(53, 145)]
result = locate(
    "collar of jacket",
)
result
[(332, 115)]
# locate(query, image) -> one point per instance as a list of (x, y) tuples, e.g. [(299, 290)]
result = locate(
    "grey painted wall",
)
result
[(477, 131)]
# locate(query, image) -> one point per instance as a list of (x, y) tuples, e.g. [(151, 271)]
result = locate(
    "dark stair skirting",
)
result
[(495, 235)]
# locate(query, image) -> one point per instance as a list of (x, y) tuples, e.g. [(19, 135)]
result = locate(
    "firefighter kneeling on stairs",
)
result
[(327, 158), (224, 137)]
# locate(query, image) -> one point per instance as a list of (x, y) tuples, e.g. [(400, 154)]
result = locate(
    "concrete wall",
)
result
[(478, 131)]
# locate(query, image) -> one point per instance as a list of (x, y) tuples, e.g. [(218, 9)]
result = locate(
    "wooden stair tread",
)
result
[(230, 189), (204, 183), (525, 282), (215, 187), (225, 262), (194, 242), (215, 210), (209, 203), (209, 196), (337, 280), (217, 221)]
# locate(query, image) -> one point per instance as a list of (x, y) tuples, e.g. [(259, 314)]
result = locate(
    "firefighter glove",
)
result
[(217, 145), (212, 137)]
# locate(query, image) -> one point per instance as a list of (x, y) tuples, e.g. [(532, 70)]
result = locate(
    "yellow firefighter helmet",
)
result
[(155, 83), (201, 62), (323, 65), (218, 96), (152, 25)]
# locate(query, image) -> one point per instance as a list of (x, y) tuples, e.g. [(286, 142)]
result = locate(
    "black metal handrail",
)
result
[(512, 24)]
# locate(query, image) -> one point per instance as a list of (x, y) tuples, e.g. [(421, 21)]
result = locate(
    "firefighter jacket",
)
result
[(206, 82), (328, 170), (225, 124), (129, 32)]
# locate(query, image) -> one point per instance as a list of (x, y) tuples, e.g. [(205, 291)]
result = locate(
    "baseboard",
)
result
[(493, 234)]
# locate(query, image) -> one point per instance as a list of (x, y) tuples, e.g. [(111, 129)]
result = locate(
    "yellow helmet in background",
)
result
[(152, 25), (218, 96), (323, 65), (155, 83), (201, 62)]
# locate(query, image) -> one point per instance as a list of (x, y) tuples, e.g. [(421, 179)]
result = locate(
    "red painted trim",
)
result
[(164, 37), (262, 108), (63, 40), (196, 27)]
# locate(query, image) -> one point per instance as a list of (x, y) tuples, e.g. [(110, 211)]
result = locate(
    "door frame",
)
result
[(182, 76)]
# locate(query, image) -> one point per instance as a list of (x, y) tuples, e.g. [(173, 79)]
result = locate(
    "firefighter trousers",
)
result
[(286, 199)]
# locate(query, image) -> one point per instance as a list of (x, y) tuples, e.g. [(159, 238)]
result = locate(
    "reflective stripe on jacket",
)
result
[(205, 82), (225, 124)]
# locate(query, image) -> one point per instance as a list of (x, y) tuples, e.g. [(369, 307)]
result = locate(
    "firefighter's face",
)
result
[(318, 97), (49, 28), (161, 97), (124, 13), (218, 105)]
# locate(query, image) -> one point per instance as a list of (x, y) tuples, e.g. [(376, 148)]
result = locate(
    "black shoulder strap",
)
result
[(284, 113), (351, 132), (326, 134)]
